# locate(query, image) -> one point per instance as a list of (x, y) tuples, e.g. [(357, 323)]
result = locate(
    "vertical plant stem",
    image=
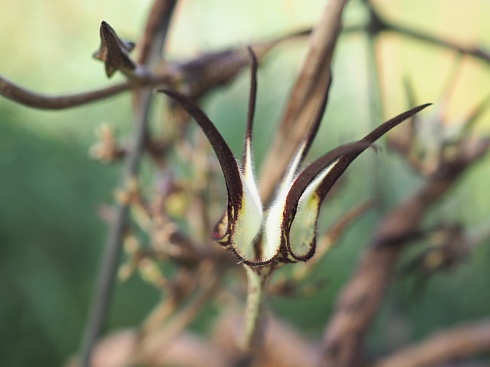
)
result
[(375, 111), (154, 39), (102, 296), (257, 283)]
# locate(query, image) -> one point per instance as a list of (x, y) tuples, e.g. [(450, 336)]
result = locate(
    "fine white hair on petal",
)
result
[(272, 229), (249, 177), (249, 222), (291, 172), (273, 222)]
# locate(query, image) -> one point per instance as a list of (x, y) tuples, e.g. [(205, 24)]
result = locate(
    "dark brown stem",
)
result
[(153, 42), (101, 299), (375, 112), (32, 99)]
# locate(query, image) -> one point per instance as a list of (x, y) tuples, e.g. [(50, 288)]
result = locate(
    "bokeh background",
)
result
[(51, 190)]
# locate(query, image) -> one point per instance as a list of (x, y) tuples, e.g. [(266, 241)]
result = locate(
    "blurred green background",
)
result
[(50, 190)]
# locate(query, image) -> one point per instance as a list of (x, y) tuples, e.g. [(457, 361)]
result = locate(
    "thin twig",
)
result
[(32, 99), (108, 267), (157, 25), (477, 52), (375, 106), (200, 75), (381, 24)]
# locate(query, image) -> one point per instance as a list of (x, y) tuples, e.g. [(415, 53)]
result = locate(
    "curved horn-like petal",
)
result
[(301, 229), (283, 210), (370, 138), (248, 169), (305, 145), (302, 204), (251, 101), (242, 221), (249, 220), (229, 165)]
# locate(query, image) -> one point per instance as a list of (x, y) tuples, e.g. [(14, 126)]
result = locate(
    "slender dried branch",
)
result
[(32, 99), (108, 268), (477, 52), (218, 68), (444, 347), (199, 74), (375, 103), (305, 98), (153, 41), (363, 294), (380, 23)]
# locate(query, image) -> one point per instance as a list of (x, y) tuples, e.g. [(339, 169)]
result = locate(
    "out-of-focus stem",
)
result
[(107, 271), (105, 280), (385, 25), (375, 111), (257, 283), (304, 99)]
